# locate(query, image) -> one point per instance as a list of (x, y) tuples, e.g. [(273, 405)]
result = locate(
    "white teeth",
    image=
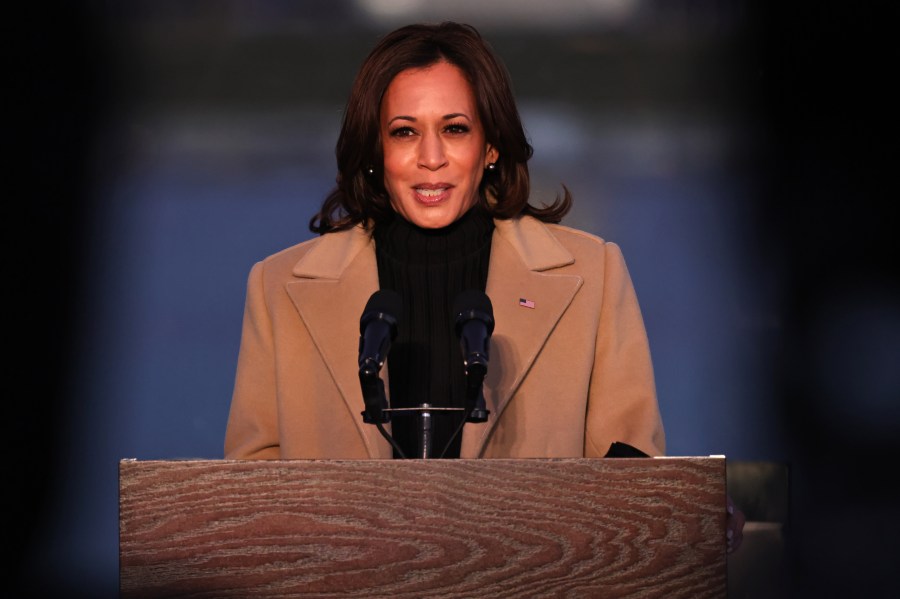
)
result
[(431, 193)]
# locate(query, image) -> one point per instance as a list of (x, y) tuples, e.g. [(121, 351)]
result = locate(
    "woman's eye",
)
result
[(402, 132), (457, 128)]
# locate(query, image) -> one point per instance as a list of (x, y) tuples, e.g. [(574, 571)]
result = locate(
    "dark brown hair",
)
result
[(360, 196)]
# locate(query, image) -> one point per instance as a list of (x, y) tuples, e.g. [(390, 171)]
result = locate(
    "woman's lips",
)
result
[(432, 193)]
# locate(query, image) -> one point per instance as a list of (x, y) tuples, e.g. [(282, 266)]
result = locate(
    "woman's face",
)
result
[(434, 148)]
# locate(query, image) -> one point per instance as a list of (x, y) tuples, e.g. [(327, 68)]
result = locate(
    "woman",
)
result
[(432, 199)]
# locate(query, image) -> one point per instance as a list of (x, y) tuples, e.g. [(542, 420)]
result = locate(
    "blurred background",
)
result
[(737, 151)]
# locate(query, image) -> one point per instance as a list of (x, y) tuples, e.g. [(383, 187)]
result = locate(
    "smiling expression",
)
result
[(434, 146)]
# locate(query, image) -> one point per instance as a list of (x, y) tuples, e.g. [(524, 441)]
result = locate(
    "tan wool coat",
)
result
[(566, 378)]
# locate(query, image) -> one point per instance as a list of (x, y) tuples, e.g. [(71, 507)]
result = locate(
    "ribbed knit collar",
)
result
[(403, 241)]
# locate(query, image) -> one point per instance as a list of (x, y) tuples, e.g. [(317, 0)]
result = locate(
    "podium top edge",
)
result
[(459, 460)]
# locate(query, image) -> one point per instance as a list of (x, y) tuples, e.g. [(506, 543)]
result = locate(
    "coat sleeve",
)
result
[(252, 431), (622, 404)]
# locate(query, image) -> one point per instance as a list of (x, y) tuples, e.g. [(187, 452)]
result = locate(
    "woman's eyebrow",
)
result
[(446, 117)]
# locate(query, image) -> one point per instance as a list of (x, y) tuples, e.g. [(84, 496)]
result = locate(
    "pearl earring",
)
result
[(492, 166), (370, 171)]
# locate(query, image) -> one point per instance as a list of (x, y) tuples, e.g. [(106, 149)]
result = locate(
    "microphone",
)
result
[(474, 325), (377, 330)]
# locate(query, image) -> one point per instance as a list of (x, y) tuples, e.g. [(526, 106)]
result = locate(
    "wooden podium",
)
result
[(622, 527)]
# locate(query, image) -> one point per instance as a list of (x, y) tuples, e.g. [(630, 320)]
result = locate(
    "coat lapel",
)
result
[(522, 252), (335, 280)]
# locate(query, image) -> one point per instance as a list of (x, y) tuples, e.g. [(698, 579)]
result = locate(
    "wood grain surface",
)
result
[(423, 528)]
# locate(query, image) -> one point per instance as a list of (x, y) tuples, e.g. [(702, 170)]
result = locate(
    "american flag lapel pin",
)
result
[(526, 303)]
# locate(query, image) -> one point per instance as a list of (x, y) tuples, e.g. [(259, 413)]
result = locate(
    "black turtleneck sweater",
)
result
[(428, 268)]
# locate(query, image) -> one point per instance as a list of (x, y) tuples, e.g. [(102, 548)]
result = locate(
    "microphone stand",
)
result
[(426, 431), (378, 413), (425, 414)]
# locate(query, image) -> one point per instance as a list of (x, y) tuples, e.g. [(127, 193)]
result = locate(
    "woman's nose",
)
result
[(431, 152)]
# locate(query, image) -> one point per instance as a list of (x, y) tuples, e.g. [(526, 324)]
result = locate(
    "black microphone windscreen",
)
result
[(383, 301), (473, 300)]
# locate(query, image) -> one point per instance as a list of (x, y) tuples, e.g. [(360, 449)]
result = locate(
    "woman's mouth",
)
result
[(432, 194)]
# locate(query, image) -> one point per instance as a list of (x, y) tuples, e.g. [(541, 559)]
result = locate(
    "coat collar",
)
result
[(332, 254), (534, 244), (339, 274)]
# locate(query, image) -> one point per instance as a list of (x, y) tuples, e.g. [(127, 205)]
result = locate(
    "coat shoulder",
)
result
[(326, 256), (576, 237), (275, 269), (545, 246), (584, 246), (290, 255)]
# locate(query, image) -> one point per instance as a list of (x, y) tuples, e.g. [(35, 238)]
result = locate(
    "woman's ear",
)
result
[(491, 155)]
